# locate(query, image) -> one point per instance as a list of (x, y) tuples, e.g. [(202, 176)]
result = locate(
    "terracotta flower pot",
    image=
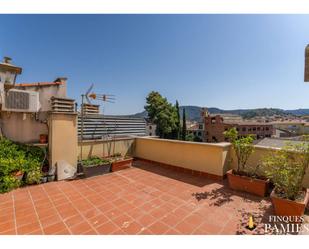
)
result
[(121, 164), (247, 184), (19, 175), (286, 207), (43, 138)]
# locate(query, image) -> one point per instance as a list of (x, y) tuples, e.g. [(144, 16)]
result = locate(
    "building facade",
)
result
[(151, 129), (215, 126), (197, 130)]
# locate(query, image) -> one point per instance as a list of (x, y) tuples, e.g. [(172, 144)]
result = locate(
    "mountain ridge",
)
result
[(193, 112)]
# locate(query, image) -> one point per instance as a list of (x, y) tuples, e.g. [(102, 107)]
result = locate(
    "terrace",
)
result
[(174, 187), (145, 199)]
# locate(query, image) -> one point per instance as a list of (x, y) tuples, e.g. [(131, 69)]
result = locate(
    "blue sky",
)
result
[(225, 61)]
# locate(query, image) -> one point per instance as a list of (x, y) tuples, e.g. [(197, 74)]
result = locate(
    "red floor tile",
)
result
[(107, 228), (159, 228), (55, 228), (29, 228), (80, 228)]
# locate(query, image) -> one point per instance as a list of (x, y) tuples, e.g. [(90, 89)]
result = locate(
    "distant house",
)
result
[(197, 130), (150, 128), (215, 126)]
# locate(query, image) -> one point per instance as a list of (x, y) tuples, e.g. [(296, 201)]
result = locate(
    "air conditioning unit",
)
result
[(20, 101)]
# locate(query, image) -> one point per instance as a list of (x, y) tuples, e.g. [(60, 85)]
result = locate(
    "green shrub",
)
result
[(8, 183), (18, 157), (34, 176), (243, 147), (286, 168), (95, 161)]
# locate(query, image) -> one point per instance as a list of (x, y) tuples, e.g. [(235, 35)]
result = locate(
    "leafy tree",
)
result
[(162, 113), (184, 125)]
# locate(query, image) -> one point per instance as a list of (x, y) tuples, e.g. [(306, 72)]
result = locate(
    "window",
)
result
[(258, 128), (254, 128), (244, 129), (267, 128), (150, 127), (150, 134), (237, 129), (199, 133), (249, 129)]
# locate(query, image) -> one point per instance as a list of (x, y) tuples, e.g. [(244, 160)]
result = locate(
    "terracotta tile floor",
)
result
[(144, 199)]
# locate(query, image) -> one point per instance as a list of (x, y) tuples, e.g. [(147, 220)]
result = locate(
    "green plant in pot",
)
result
[(243, 147), (96, 166), (286, 168), (245, 178)]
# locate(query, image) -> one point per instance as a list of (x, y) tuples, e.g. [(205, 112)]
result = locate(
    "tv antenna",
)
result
[(95, 96)]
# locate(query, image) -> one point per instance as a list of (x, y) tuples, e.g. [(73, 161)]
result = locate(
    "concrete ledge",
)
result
[(220, 145), (89, 141)]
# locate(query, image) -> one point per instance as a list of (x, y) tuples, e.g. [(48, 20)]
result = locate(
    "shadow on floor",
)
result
[(176, 175), (219, 196)]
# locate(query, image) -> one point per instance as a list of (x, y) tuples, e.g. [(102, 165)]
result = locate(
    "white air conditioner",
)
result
[(20, 101)]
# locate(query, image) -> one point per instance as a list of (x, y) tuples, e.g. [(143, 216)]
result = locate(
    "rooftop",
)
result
[(279, 142), (38, 84), (145, 199)]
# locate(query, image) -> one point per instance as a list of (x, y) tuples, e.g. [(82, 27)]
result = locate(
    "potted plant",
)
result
[(120, 162), (96, 166), (286, 168), (244, 178), (43, 138), (18, 175)]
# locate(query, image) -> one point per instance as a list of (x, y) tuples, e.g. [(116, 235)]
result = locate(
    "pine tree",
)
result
[(184, 125)]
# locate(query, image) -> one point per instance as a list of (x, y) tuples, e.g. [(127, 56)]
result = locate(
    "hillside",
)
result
[(194, 112)]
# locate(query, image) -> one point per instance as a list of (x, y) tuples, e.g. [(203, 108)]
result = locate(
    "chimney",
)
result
[(61, 79), (307, 64), (7, 60)]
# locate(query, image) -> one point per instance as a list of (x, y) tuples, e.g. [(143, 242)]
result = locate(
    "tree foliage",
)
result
[(162, 113)]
